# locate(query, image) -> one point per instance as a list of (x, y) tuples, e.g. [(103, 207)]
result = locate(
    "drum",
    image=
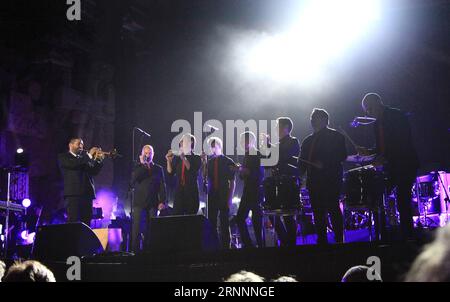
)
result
[(364, 187), (425, 192), (281, 193)]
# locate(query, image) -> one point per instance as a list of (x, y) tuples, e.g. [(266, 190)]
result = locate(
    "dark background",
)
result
[(171, 58)]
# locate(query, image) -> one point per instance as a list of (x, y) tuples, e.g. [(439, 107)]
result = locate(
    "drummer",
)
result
[(395, 149), (321, 157), (288, 150)]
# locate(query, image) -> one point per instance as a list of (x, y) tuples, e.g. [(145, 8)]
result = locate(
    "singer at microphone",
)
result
[(149, 193)]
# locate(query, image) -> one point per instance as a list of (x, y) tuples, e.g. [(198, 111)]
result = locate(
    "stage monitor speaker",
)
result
[(59, 241), (181, 234)]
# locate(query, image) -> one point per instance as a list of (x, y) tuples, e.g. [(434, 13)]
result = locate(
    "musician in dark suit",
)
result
[(185, 167), (395, 150), (219, 170), (149, 193), (252, 174), (288, 149), (78, 168), (321, 157)]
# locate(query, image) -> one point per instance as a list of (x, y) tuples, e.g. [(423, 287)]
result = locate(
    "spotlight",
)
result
[(26, 202), (28, 238), (21, 158), (24, 235), (304, 52)]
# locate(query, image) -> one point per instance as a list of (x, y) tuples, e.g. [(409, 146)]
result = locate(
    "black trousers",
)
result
[(218, 206), (403, 184), (324, 201), (287, 231), (250, 202), (186, 201), (141, 224), (79, 209)]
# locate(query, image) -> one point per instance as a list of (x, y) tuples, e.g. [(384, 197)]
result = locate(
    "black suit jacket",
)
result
[(288, 149), (78, 174), (399, 150), (149, 184), (328, 147)]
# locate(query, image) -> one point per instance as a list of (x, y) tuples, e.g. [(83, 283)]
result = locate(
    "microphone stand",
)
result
[(131, 188), (205, 185)]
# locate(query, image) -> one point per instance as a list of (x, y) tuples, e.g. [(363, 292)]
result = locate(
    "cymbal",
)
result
[(355, 158)]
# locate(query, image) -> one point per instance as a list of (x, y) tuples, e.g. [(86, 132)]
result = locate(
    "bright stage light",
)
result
[(324, 30), (236, 200), (26, 202), (19, 150), (24, 235), (28, 238)]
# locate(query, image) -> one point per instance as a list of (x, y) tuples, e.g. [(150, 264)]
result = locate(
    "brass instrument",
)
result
[(111, 154), (100, 154)]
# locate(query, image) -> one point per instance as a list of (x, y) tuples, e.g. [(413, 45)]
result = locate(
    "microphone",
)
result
[(142, 131), (212, 127)]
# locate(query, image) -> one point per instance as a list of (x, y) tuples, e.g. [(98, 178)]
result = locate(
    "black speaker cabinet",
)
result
[(179, 234), (60, 241)]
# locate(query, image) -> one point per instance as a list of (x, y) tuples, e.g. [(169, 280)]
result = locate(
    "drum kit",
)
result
[(364, 193), (430, 197), (365, 196)]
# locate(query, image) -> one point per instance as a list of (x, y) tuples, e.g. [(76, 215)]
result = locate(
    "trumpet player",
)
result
[(78, 167)]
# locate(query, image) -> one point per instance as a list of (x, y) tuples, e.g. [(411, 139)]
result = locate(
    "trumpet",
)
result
[(100, 154)]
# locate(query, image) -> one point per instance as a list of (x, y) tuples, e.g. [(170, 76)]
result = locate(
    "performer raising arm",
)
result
[(150, 192), (78, 168), (185, 167)]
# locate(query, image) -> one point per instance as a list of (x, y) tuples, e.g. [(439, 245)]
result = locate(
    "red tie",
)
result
[(183, 177), (216, 173)]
